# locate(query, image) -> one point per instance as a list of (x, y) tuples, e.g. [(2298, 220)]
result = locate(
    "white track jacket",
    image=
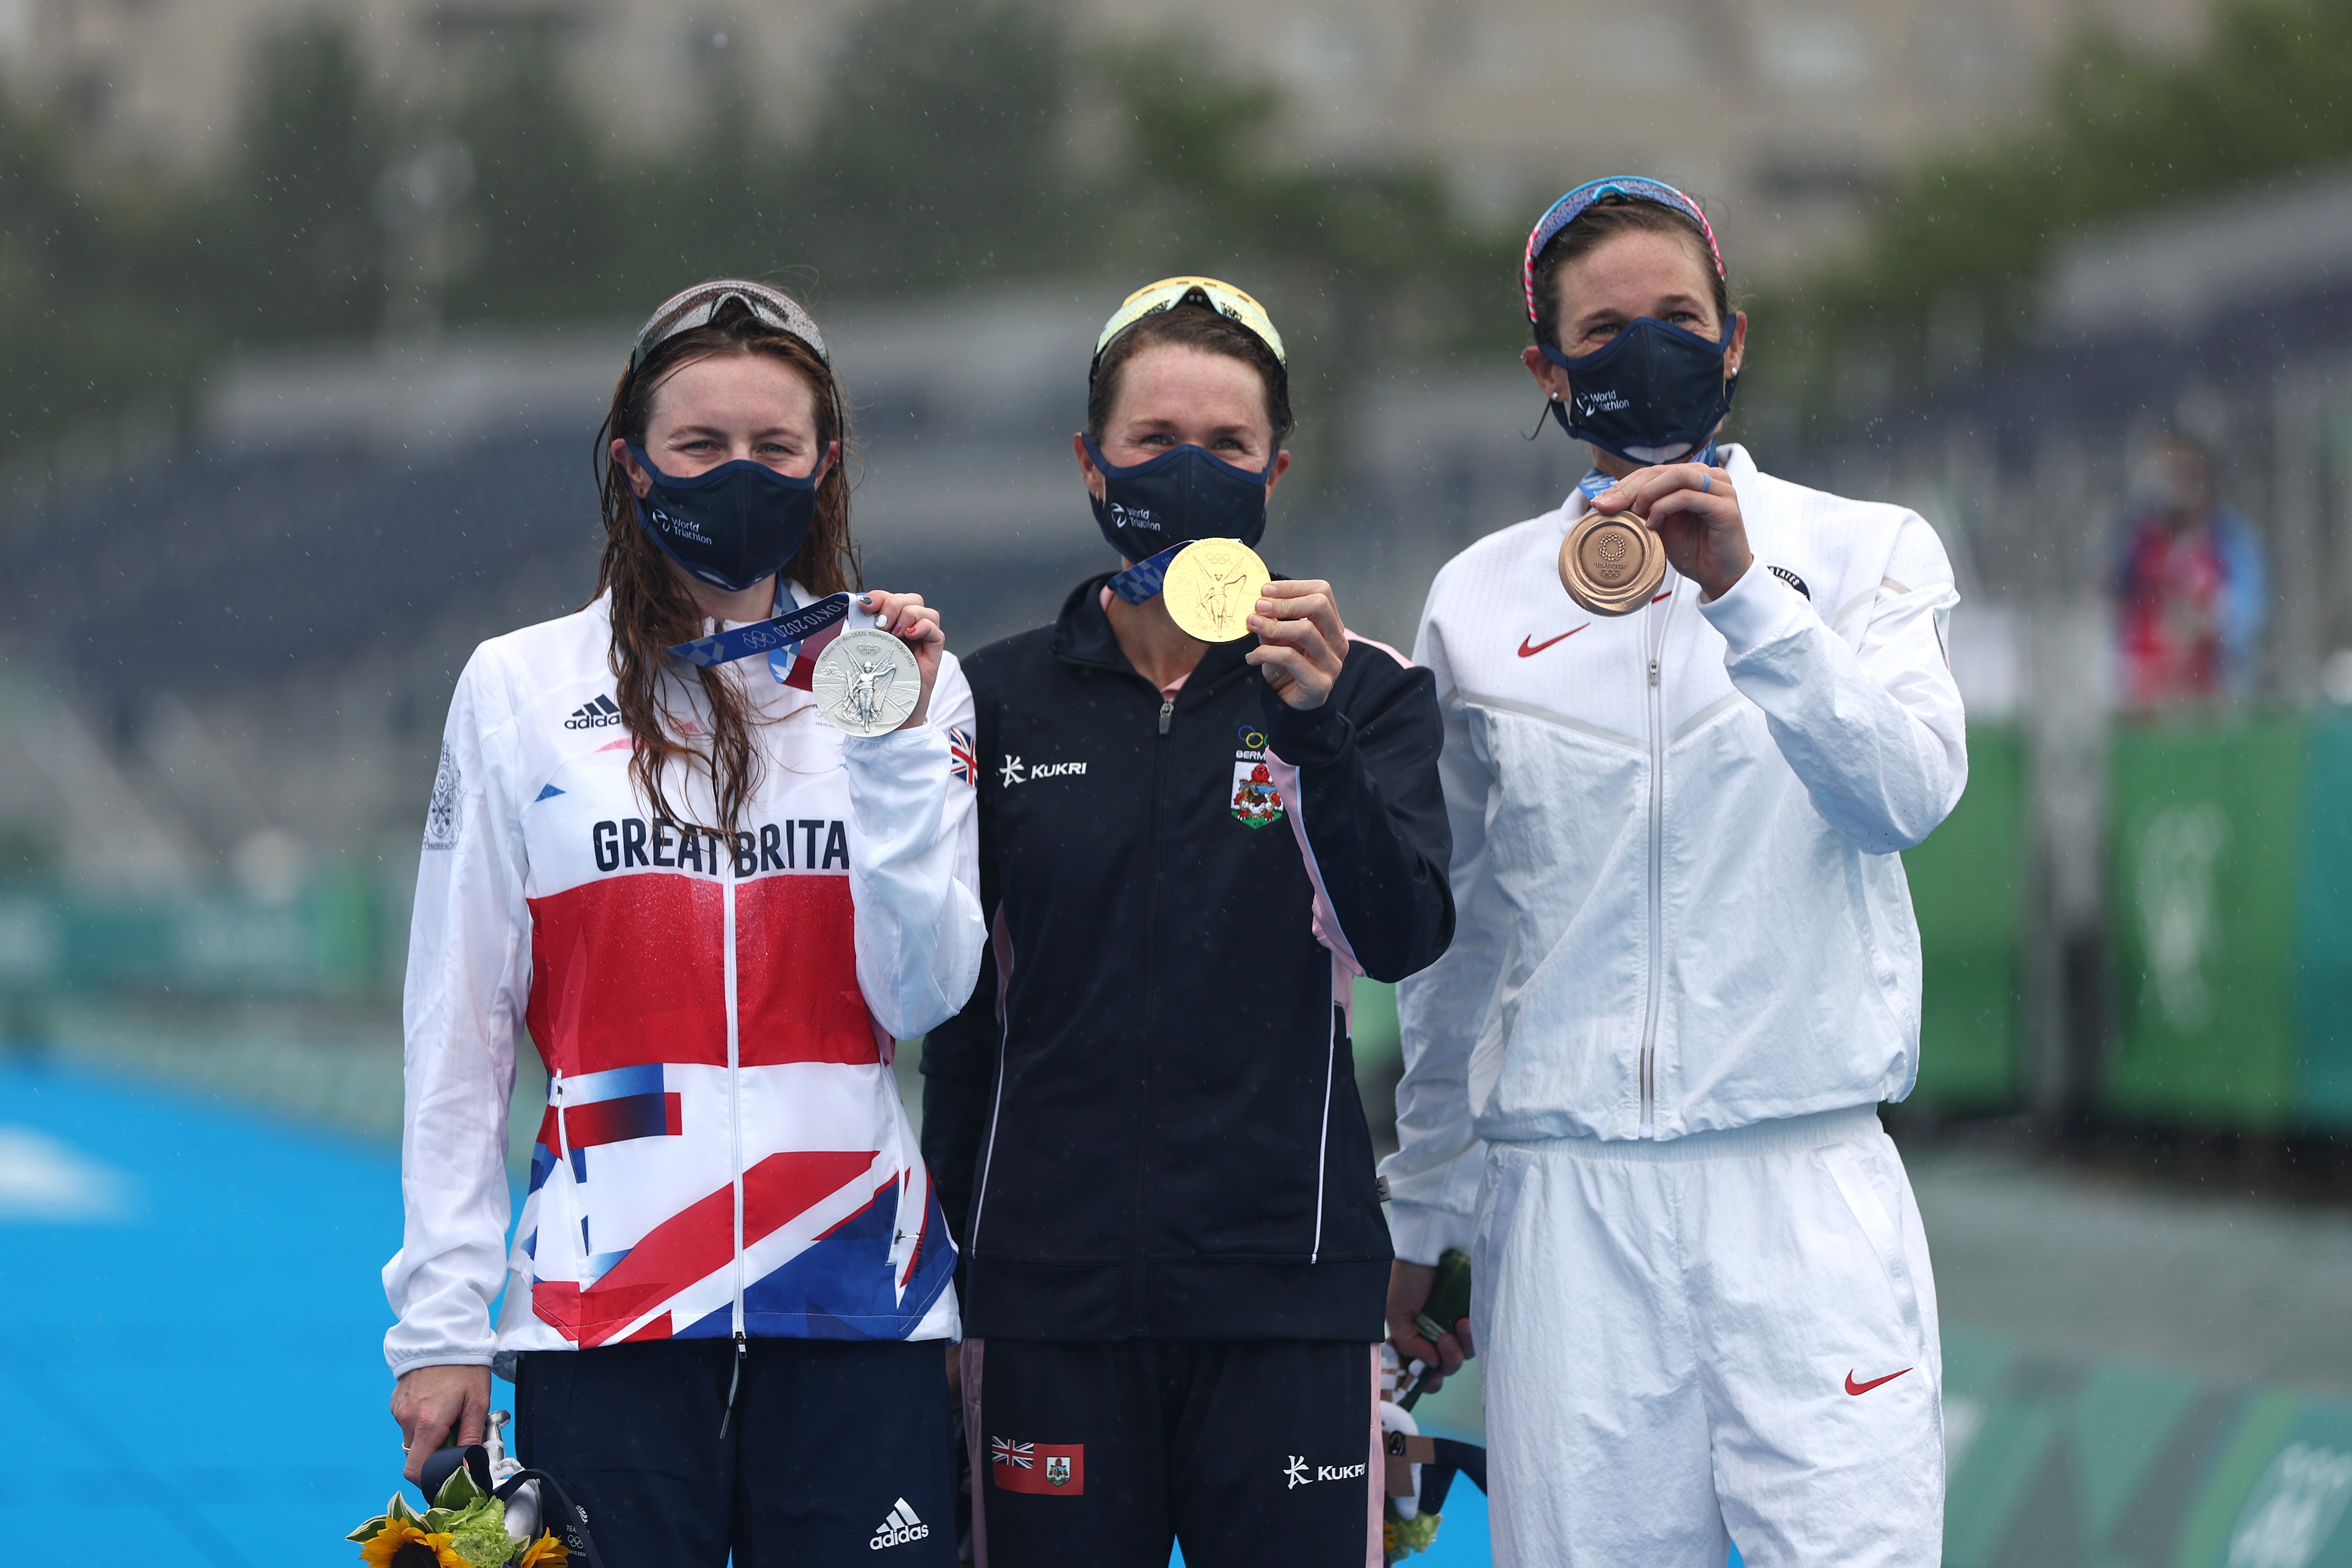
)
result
[(723, 1150), (1679, 905)]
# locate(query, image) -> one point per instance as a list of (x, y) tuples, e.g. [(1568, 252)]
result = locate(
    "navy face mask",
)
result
[(1652, 394), (732, 526), (1177, 497)]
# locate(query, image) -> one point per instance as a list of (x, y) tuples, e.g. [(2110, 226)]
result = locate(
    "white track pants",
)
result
[(1732, 1331)]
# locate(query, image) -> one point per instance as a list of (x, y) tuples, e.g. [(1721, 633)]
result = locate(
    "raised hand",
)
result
[(917, 625), (1695, 512), (1301, 642)]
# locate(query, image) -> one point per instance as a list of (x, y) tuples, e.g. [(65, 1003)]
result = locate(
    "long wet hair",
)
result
[(652, 607)]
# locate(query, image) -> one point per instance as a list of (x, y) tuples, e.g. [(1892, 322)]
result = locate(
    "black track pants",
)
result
[(838, 1451), (1253, 1454)]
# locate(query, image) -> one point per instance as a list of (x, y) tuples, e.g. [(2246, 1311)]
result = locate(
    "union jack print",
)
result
[(962, 761), (1021, 1455)]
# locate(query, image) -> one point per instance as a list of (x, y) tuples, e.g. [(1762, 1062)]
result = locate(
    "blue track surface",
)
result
[(1460, 1535), (190, 1364), (190, 1340)]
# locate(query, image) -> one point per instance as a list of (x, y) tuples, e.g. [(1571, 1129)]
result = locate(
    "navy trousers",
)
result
[(836, 1451)]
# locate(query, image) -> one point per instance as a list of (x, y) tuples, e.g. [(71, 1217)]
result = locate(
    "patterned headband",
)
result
[(1627, 187)]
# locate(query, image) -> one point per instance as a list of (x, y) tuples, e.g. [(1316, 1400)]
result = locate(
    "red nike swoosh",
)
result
[(1528, 650), (1853, 1387)]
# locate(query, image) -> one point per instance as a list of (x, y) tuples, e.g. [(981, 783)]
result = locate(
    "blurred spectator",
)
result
[(2192, 588)]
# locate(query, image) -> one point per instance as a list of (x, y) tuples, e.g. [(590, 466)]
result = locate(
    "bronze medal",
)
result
[(1611, 562), (1211, 588)]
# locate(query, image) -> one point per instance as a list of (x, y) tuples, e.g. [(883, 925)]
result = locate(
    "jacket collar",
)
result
[(1083, 635)]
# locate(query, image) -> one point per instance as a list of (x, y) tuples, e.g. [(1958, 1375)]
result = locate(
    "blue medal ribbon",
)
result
[(1594, 481), (782, 634), (1146, 577)]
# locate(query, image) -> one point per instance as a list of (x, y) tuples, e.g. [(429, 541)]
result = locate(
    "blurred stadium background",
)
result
[(310, 312)]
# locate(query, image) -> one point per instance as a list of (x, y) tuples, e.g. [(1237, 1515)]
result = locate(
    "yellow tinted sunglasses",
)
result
[(1169, 292)]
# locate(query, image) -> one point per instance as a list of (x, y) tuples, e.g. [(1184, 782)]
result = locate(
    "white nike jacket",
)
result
[(1679, 905), (723, 1152)]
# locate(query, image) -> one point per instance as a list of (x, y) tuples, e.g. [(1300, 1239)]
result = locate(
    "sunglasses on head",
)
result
[(1170, 292), (699, 306)]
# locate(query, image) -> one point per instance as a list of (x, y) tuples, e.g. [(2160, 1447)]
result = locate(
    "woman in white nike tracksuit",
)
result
[(1642, 1087), (711, 912)]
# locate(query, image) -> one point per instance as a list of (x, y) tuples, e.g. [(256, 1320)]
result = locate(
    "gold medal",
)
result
[(1611, 562), (1211, 588)]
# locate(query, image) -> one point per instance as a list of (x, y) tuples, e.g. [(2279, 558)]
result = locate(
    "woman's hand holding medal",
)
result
[(1695, 512), (916, 624), (1301, 641), (1216, 590)]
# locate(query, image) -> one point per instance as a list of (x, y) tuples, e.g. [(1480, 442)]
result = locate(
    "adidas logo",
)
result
[(899, 1527), (594, 715)]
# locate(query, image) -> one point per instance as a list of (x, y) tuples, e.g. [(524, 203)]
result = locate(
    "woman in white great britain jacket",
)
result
[(711, 911), (1642, 1086)]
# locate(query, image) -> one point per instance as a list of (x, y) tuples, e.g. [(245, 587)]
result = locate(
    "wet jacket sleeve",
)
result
[(1371, 815), (1874, 728), (462, 1016), (915, 887), (1432, 1178), (959, 1068), (960, 1062)]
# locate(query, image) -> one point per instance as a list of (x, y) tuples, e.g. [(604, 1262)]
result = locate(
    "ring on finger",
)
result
[(1705, 481)]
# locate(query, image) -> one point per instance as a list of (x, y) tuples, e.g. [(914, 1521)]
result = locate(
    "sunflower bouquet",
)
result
[(466, 1526)]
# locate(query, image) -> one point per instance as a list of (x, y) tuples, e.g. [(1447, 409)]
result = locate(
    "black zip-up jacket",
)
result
[(1146, 1123)]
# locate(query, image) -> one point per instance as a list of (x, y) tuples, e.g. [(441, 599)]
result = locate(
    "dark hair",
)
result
[(1194, 323), (1604, 220), (652, 607)]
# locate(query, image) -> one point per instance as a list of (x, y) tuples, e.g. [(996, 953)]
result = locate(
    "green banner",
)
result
[(327, 942), (1966, 888), (2323, 927), (2119, 1463), (2207, 819)]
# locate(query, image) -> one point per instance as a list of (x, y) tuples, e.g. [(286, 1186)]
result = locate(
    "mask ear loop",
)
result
[(1542, 409)]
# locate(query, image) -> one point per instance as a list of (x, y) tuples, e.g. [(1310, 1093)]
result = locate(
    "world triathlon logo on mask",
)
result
[(1132, 517), (1603, 401), (680, 527)]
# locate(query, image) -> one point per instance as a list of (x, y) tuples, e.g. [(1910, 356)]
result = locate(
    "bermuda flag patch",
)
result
[(1041, 1470), (962, 761)]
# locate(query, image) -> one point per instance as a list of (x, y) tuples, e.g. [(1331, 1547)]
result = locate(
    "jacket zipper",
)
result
[(995, 1108), (1150, 1007), (735, 1129), (1649, 1061), (996, 1105), (562, 1133)]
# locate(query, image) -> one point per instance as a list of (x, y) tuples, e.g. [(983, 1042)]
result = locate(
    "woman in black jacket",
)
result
[(1145, 1125)]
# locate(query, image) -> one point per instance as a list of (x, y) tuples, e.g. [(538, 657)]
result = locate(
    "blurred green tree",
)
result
[(938, 156), (546, 209), (953, 144), (1968, 238), (291, 247)]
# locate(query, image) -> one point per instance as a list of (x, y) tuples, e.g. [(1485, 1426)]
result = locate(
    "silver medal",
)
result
[(865, 683)]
